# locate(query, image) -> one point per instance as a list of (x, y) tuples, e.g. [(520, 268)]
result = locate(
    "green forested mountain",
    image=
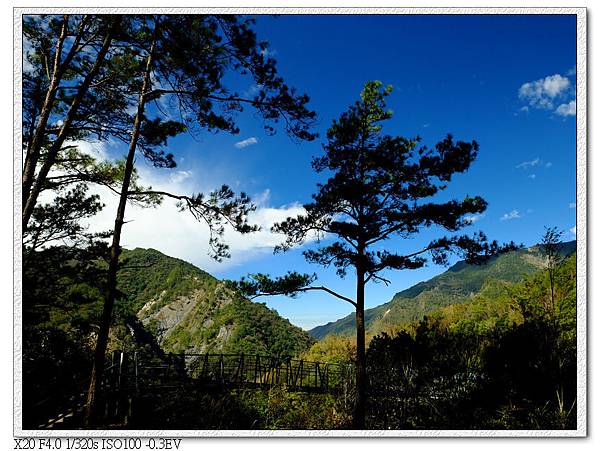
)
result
[(459, 284), (504, 360), (164, 305), (187, 309), (162, 299), (502, 357)]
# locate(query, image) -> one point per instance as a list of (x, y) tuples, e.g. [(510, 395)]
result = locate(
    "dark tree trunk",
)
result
[(358, 420), (36, 188), (37, 137), (105, 320)]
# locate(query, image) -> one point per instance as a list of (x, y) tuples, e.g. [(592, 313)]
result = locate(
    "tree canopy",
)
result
[(380, 186)]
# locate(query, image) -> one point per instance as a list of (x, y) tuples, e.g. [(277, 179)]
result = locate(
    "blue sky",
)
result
[(506, 81)]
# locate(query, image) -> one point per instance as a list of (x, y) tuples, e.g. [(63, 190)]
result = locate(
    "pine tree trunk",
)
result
[(105, 320), (31, 200), (358, 420), (35, 143), (37, 138)]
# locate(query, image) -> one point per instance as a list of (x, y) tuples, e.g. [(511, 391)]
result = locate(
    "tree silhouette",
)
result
[(377, 188), (550, 246), (187, 58), (66, 56)]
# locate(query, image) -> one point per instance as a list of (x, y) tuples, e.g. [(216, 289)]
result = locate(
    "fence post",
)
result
[(301, 372), (204, 365), (180, 366), (221, 369), (278, 373), (256, 367), (122, 368), (242, 377), (119, 395), (135, 361)]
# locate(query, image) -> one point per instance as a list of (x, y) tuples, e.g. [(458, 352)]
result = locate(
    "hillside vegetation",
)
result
[(504, 360), (459, 284), (164, 305), (187, 309), (494, 353)]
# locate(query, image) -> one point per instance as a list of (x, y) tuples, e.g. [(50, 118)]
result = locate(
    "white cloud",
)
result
[(573, 230), (473, 218), (529, 164), (543, 92), (262, 199), (178, 234), (180, 176), (246, 142), (572, 205), (253, 89), (268, 52), (567, 109), (96, 149), (513, 214), (526, 165)]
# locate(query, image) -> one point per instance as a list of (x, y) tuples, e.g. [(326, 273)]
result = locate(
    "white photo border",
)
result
[(581, 230)]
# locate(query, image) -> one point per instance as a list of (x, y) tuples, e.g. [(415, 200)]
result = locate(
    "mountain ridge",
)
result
[(189, 310), (457, 284)]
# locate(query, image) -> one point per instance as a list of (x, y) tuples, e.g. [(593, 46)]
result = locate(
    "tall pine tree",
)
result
[(379, 186)]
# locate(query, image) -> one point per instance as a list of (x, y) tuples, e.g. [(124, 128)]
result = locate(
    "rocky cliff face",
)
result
[(188, 310)]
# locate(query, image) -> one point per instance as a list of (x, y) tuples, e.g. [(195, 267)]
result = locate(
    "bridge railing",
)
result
[(126, 375), (243, 370)]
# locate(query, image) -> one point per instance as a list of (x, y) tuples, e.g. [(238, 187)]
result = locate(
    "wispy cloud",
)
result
[(96, 149), (473, 218), (529, 164), (268, 52), (567, 109), (573, 230), (180, 176), (572, 205), (513, 214), (246, 142), (262, 199), (531, 176), (253, 89), (544, 92)]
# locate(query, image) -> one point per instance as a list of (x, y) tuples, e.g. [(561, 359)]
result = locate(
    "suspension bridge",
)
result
[(128, 376)]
